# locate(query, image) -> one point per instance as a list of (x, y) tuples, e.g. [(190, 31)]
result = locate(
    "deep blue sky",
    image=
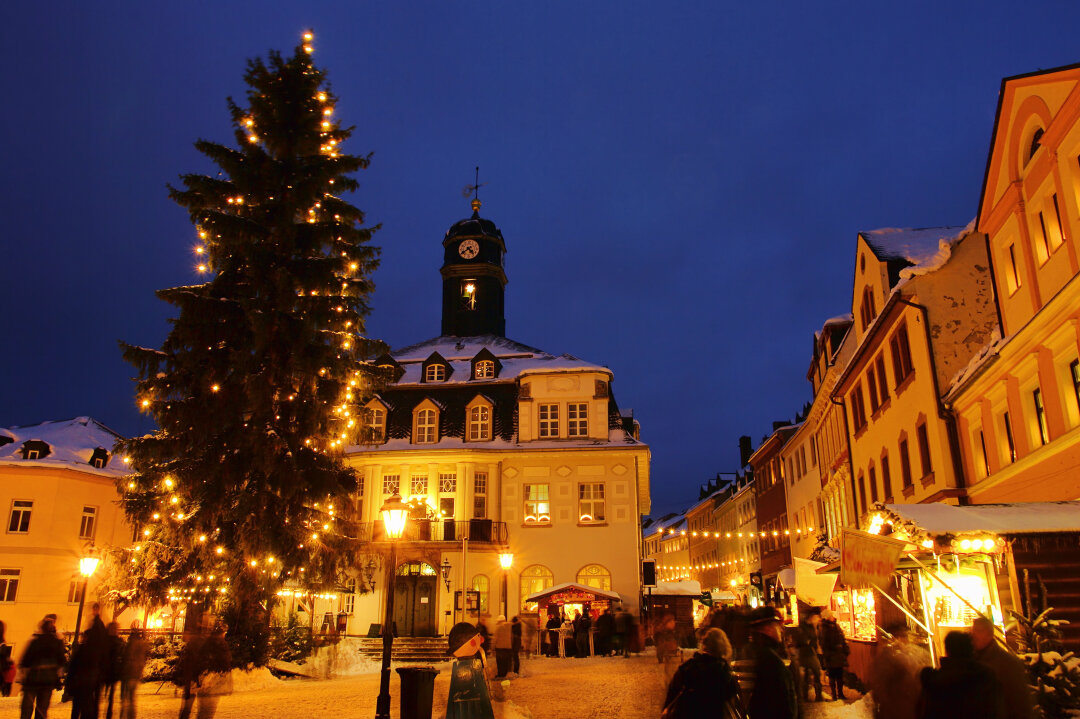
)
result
[(679, 184)]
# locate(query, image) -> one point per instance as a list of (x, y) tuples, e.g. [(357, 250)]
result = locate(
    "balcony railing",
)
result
[(484, 531)]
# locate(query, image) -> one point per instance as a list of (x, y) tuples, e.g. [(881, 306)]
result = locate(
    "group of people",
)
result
[(100, 660), (611, 633)]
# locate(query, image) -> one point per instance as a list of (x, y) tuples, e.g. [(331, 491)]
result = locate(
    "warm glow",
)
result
[(469, 289), (506, 560), (88, 565), (394, 514)]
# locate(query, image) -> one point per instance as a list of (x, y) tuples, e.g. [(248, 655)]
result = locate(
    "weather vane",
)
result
[(474, 189)]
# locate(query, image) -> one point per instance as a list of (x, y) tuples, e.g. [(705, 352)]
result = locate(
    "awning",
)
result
[(1018, 518), (572, 590), (723, 596), (687, 587)]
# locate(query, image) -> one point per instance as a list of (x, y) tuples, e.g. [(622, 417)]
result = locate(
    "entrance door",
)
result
[(414, 600)]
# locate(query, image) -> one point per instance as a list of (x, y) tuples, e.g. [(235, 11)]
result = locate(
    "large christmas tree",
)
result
[(259, 385)]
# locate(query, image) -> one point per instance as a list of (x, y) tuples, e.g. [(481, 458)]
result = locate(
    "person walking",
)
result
[(215, 676), (504, 646), (1007, 668), (188, 668), (704, 684), (552, 628), (622, 633), (111, 666), (7, 665), (132, 664), (515, 645), (807, 647), (87, 670), (774, 695), (834, 652), (40, 667), (894, 675), (605, 631), (962, 688)]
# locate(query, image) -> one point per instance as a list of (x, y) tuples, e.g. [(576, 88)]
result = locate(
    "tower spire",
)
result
[(475, 190)]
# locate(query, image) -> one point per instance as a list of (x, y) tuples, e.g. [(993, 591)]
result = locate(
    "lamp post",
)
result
[(444, 569), (87, 566), (505, 561), (394, 513)]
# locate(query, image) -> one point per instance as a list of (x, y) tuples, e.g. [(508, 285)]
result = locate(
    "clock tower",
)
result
[(473, 278)]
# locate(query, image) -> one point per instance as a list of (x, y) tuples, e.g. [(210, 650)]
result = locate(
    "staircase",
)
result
[(407, 649)]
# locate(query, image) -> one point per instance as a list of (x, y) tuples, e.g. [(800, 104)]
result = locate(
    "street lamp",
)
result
[(505, 561), (87, 566), (394, 513), (444, 569)]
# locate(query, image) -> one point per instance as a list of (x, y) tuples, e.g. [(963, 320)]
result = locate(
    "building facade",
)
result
[(770, 476)]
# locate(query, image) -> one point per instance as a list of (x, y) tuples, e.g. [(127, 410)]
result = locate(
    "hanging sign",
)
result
[(866, 559), (811, 587), (571, 597)]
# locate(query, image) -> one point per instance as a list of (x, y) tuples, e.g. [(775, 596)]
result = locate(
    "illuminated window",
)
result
[(537, 504), (425, 426), (9, 584), (348, 599), (435, 373), (901, 354), (391, 484), (418, 484), (535, 578), (468, 294), (377, 426), (549, 420), (596, 576), (480, 585), (19, 522), (1040, 416), (88, 523), (577, 419), (447, 482), (479, 423), (485, 369), (591, 502)]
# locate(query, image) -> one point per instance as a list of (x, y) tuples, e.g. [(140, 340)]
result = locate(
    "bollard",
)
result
[(417, 689)]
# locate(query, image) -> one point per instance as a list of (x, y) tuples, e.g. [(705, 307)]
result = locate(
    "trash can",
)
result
[(417, 690)]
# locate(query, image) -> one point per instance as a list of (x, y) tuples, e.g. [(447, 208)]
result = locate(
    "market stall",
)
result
[(566, 600)]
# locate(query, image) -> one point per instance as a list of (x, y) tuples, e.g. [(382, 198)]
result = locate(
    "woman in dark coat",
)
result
[(834, 652), (963, 688), (703, 684)]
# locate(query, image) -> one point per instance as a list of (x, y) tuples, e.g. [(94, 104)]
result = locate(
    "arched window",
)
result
[(485, 369), (480, 585), (435, 373), (479, 423), (1036, 142), (535, 578), (425, 426), (594, 575), (867, 310)]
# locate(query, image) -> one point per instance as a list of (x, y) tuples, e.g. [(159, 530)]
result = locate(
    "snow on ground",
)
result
[(592, 688)]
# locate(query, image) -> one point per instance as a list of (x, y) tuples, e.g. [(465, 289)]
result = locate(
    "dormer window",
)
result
[(485, 369), (426, 423), (375, 431), (99, 458), (435, 373), (478, 413), (435, 369), (485, 365), (35, 449)]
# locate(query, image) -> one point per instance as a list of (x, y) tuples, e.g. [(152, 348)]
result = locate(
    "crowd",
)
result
[(100, 660), (780, 668)]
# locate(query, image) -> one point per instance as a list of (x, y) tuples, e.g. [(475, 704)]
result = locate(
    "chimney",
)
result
[(746, 448)]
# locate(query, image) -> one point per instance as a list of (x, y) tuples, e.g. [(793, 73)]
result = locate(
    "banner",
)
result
[(811, 587), (867, 559)]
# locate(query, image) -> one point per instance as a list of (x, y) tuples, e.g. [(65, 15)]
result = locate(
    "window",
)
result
[(348, 599), (862, 494), (867, 311), (435, 373), (591, 502), (485, 369), (985, 458), (1014, 274), (813, 450), (480, 586), (426, 426), (534, 579), (480, 495), (858, 410), (1074, 373), (19, 522), (88, 523), (1040, 416), (391, 484), (872, 388), (537, 504), (883, 383), (901, 354), (75, 589), (886, 478), (378, 424), (447, 482), (594, 575), (1009, 437), (418, 484), (447, 507), (468, 294), (1036, 142), (99, 458), (549, 420), (32, 454), (9, 584), (360, 497), (577, 419), (924, 449), (905, 463), (872, 475), (1045, 236), (1060, 237), (479, 423)]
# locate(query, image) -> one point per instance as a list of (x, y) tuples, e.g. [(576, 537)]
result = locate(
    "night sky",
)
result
[(679, 184)]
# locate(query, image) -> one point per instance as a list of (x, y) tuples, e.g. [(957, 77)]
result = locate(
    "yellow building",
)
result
[(1018, 407), (59, 487), (923, 305), (503, 448)]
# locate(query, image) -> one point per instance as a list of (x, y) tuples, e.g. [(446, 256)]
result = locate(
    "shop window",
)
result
[(1010, 444), (9, 585), (88, 523), (901, 354), (391, 484), (535, 578), (596, 576), (425, 426), (549, 420), (479, 423), (591, 502), (481, 586), (19, 521), (537, 504), (577, 419), (1040, 416)]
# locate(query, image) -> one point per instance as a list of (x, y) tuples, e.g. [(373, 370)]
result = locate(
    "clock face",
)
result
[(468, 249)]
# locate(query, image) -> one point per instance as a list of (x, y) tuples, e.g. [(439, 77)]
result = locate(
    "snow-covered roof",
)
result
[(921, 246), (71, 444), (978, 360), (571, 586), (517, 359), (1019, 518), (616, 437), (687, 588)]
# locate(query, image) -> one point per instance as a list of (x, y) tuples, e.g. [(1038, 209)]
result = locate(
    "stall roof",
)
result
[(689, 587), (1020, 518), (571, 586)]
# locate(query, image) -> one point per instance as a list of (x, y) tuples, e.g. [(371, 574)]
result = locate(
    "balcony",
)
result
[(483, 531)]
